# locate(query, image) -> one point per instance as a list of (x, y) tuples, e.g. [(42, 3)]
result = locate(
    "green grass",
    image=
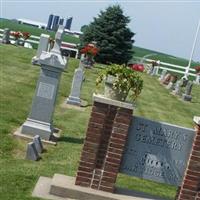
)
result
[(18, 80)]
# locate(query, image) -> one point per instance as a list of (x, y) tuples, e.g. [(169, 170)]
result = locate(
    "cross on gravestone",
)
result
[(38, 144), (74, 97), (187, 95), (6, 36), (39, 121), (31, 152), (164, 72), (42, 46)]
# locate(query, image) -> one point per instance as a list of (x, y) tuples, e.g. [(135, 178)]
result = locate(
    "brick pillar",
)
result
[(190, 189), (104, 143)]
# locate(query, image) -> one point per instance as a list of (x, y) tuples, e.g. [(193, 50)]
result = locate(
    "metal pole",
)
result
[(192, 52)]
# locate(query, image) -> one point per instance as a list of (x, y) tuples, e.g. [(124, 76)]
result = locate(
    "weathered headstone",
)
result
[(154, 71), (157, 151), (42, 46), (6, 36), (162, 75), (197, 81), (31, 152), (74, 97), (170, 86), (177, 89), (188, 89), (39, 121), (166, 79), (38, 144)]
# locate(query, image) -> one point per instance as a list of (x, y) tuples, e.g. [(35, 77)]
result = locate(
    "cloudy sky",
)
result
[(165, 26)]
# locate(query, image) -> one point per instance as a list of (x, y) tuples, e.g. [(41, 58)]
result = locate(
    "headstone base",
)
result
[(20, 135), (73, 101), (63, 188), (186, 97), (34, 127)]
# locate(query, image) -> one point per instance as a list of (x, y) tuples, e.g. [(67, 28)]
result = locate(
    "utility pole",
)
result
[(192, 52)]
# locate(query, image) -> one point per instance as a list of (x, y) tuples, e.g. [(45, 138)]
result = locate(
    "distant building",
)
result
[(32, 23)]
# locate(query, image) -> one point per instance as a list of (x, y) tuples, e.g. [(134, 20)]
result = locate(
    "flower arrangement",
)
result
[(26, 35), (125, 80), (90, 49), (197, 68), (16, 35)]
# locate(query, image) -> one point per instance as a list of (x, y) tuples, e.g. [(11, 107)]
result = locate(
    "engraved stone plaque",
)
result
[(45, 90), (157, 151)]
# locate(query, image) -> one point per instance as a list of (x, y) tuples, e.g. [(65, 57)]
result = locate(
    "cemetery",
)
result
[(65, 136)]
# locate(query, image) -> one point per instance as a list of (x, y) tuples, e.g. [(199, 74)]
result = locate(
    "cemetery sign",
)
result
[(157, 151)]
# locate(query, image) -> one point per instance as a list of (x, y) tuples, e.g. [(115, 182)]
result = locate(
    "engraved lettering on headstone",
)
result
[(45, 90)]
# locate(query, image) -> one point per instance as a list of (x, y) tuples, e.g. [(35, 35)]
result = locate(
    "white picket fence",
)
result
[(35, 40), (167, 66)]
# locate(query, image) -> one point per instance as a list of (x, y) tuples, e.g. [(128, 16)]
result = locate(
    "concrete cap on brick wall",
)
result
[(102, 99), (196, 119)]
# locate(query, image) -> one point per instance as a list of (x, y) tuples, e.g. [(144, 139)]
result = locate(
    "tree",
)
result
[(110, 32)]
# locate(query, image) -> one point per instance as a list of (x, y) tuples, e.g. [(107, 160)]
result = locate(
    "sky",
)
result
[(164, 26)]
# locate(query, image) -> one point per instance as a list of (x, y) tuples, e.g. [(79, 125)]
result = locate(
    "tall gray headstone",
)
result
[(6, 36), (177, 89), (42, 46), (39, 121), (74, 97), (162, 76), (188, 89), (31, 152)]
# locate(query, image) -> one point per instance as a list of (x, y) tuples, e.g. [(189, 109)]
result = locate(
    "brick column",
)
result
[(104, 144), (190, 189)]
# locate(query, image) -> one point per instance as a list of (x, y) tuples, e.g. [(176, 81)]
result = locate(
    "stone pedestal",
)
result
[(39, 121), (104, 144), (74, 97), (190, 186), (42, 46), (6, 36)]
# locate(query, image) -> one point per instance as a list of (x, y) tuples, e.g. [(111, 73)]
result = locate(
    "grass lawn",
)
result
[(18, 81)]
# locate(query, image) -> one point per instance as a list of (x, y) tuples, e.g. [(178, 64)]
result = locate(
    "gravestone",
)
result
[(38, 144), (197, 81), (154, 71), (166, 79), (31, 152), (170, 86), (6, 36), (157, 151), (74, 97), (164, 72), (39, 121), (42, 46), (188, 89), (177, 89)]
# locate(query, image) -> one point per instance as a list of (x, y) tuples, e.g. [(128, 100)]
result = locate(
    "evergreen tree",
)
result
[(110, 32)]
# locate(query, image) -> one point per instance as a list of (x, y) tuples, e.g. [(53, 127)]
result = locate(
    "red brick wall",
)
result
[(190, 189), (103, 146)]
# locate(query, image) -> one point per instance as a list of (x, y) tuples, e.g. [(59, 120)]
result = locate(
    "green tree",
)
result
[(110, 32)]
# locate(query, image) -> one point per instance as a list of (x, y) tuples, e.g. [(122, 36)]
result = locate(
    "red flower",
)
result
[(17, 34), (90, 50), (26, 35), (197, 68)]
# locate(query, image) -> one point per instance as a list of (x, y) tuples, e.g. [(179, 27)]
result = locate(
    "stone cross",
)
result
[(187, 95), (74, 97), (6, 36), (162, 76), (39, 121), (42, 46)]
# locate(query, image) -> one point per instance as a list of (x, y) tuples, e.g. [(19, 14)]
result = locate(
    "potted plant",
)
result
[(90, 51), (16, 35), (120, 81)]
